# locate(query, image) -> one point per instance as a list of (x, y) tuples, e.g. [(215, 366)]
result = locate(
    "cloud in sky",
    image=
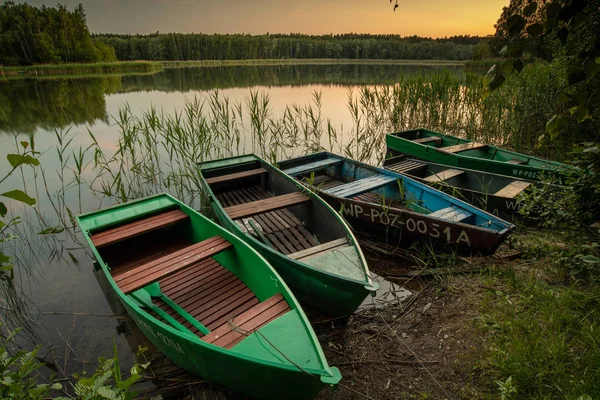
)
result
[(435, 18)]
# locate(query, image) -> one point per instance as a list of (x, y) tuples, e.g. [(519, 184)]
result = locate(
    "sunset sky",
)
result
[(435, 18)]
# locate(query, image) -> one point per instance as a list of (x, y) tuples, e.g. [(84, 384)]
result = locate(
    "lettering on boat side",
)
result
[(423, 227), (147, 329), (526, 174)]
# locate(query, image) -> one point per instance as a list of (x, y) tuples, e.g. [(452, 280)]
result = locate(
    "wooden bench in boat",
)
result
[(235, 330), (238, 175), (513, 189), (360, 186), (313, 166), (304, 255), (268, 204), (406, 166), (132, 279), (451, 214), (432, 139), (137, 228), (444, 175), (462, 147)]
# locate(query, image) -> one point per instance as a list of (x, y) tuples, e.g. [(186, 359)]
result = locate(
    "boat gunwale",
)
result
[(194, 339), (367, 283)]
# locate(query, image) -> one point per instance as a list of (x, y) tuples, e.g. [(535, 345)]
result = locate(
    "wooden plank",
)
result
[(238, 175), (513, 189), (229, 307), (237, 311), (430, 139), (360, 186), (137, 228), (444, 175), (236, 336), (156, 270), (194, 299), (516, 161), (313, 166), (463, 147), (280, 247), (319, 249), (406, 167), (308, 235), (451, 214), (207, 307), (265, 205)]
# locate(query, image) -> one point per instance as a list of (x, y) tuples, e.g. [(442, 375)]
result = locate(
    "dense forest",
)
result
[(31, 35), (175, 47)]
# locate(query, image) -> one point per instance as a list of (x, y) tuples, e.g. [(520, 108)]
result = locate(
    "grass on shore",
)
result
[(312, 61), (42, 70)]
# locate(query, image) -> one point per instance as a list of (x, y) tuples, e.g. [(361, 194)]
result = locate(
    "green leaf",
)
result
[(563, 34), (580, 113), (508, 67), (4, 258), (552, 10), (497, 82), (503, 51), (52, 230), (515, 25), (3, 209), (535, 30), (556, 125), (576, 75), (25, 144), (19, 195), (530, 9), (563, 97), (592, 69), (16, 159)]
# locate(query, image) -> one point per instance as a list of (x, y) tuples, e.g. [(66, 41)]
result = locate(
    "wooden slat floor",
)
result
[(283, 230), (207, 291)]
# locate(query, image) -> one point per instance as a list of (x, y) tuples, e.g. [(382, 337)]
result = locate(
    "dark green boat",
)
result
[(207, 300), (302, 237), (449, 150)]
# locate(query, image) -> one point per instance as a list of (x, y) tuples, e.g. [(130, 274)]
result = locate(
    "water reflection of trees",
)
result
[(30, 104)]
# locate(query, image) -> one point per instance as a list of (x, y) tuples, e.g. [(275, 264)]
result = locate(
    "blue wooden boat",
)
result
[(396, 208)]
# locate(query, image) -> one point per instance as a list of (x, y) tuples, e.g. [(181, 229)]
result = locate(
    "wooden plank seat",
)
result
[(238, 175), (139, 227), (314, 251), (132, 279), (264, 205), (432, 139), (513, 189), (406, 166), (313, 166), (234, 330), (360, 186), (463, 147), (451, 214), (444, 175)]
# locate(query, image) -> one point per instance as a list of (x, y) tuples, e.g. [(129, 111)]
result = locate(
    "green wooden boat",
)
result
[(304, 239), (206, 299), (449, 150)]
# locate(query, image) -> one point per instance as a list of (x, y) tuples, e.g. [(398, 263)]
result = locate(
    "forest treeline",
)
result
[(195, 46), (51, 35), (48, 35)]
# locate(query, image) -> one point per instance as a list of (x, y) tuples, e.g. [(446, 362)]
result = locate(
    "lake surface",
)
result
[(64, 306)]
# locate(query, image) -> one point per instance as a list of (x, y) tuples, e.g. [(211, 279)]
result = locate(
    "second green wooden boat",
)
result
[(302, 237), (449, 150), (207, 300)]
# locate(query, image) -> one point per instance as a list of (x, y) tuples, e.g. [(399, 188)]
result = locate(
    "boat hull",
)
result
[(325, 292), (470, 159), (402, 227)]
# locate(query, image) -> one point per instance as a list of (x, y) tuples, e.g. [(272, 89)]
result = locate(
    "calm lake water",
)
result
[(64, 305)]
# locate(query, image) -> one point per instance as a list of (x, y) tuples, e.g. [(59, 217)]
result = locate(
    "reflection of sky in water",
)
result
[(55, 282)]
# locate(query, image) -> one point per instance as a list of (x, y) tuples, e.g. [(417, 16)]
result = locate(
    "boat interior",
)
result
[(277, 213), (438, 175), (464, 147), (343, 178), (189, 281)]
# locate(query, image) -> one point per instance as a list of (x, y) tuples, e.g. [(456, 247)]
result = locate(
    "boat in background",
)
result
[(497, 194), (302, 237), (452, 151), (395, 208), (206, 299)]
